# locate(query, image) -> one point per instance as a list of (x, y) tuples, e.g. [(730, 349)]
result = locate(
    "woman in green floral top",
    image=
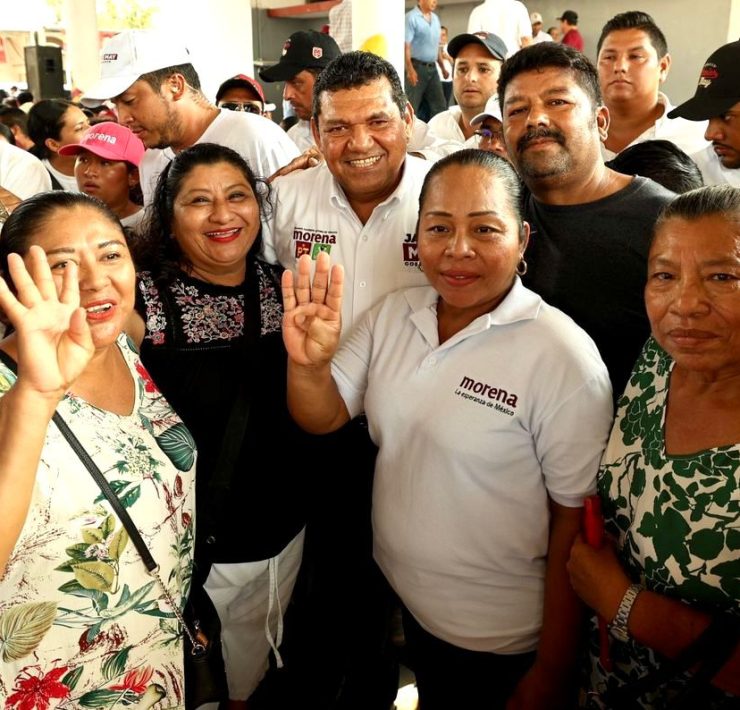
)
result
[(82, 623), (669, 478)]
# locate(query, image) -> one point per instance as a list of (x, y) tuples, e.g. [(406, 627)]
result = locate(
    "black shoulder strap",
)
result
[(55, 184), (97, 475)]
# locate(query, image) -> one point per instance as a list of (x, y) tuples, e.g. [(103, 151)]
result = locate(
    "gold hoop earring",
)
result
[(521, 267)]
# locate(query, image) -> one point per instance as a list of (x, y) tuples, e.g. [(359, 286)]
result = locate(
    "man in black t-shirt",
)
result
[(591, 226)]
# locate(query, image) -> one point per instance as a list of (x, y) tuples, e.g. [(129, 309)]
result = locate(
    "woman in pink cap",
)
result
[(107, 167)]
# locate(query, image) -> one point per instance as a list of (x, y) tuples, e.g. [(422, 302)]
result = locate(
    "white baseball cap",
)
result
[(535, 17), (491, 110), (128, 55)]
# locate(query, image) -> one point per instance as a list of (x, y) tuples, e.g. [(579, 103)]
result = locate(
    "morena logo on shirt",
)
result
[(312, 241), (488, 395), (411, 251)]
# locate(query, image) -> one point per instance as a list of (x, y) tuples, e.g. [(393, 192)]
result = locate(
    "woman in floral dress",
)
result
[(670, 476), (82, 623)]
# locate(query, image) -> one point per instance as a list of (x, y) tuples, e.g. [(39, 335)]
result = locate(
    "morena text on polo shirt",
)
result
[(489, 395)]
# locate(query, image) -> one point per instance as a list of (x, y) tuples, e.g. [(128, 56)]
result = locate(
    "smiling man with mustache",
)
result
[(591, 226)]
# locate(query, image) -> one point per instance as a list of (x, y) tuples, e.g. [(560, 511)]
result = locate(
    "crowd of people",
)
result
[(306, 401)]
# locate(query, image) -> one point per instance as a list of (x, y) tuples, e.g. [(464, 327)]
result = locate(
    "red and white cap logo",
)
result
[(286, 47), (317, 52)]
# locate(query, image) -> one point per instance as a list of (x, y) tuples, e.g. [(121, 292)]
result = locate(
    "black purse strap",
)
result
[(198, 647), (97, 475)]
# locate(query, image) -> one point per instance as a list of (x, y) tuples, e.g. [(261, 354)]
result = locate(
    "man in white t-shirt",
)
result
[(506, 18), (717, 99), (633, 62), (304, 56), (538, 34), (478, 59), (156, 91)]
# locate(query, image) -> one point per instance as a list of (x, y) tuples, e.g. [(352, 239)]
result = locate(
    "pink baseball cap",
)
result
[(111, 141)]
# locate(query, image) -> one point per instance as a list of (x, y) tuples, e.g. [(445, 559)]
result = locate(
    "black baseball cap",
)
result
[(718, 88), (306, 49), (493, 43), (569, 16)]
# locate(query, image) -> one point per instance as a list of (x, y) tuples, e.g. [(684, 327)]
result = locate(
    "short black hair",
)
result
[(552, 54), (635, 20), (661, 161), (157, 77), (24, 97), (12, 116), (353, 69)]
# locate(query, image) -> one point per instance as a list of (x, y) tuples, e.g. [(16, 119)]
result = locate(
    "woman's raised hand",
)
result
[(312, 320), (52, 334)]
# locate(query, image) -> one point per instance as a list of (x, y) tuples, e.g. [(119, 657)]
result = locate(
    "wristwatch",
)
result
[(618, 627)]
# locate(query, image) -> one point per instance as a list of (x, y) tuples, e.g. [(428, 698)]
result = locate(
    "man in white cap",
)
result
[(478, 59), (538, 35), (717, 99), (489, 131), (156, 91)]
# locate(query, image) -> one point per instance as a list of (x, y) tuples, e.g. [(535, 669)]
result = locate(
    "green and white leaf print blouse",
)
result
[(677, 519), (82, 624)]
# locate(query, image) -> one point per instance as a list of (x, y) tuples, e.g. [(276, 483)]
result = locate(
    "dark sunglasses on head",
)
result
[(241, 106)]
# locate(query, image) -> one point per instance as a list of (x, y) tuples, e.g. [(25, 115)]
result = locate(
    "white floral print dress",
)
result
[(82, 623)]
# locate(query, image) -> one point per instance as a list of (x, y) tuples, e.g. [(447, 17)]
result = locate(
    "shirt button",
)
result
[(431, 361), (363, 284), (364, 238)]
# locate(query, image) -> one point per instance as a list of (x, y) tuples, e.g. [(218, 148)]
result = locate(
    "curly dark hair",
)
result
[(160, 252)]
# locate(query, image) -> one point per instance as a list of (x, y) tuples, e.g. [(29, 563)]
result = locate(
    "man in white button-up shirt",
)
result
[(633, 63), (361, 205)]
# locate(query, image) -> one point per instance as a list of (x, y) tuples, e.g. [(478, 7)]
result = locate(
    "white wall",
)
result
[(692, 36)]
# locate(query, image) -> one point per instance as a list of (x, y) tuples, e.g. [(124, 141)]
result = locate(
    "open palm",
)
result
[(312, 319), (52, 335)]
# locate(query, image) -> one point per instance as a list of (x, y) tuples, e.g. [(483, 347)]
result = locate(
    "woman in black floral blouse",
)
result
[(670, 478), (209, 318)]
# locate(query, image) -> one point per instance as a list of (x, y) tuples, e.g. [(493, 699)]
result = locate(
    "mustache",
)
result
[(537, 133)]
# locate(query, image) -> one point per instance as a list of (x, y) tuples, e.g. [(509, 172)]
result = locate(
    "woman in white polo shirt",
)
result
[(490, 409)]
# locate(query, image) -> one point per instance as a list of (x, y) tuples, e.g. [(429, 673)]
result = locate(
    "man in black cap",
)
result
[(304, 56), (569, 27), (717, 99), (478, 58)]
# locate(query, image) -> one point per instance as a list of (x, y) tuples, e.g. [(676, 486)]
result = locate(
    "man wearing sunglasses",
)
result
[(242, 93)]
